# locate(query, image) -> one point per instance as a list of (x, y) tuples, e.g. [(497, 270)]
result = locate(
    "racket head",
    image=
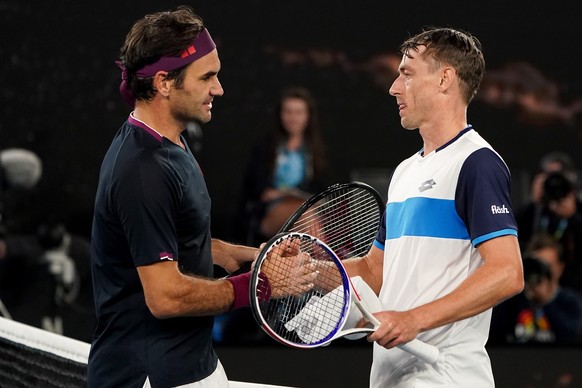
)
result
[(345, 216), (300, 319)]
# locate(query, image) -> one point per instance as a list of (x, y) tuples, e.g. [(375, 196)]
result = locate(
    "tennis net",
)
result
[(31, 357)]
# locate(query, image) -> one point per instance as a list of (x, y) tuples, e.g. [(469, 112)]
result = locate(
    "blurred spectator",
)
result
[(44, 278), (284, 169), (20, 169), (45, 282), (545, 312), (549, 163), (555, 209)]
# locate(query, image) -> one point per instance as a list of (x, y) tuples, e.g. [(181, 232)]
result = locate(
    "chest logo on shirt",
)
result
[(426, 185), (499, 209)]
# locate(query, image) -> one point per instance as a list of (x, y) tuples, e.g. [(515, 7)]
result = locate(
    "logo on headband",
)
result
[(189, 51), (202, 45)]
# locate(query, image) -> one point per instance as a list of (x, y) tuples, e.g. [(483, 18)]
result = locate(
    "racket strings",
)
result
[(347, 206), (346, 220), (367, 220), (277, 312), (331, 200), (330, 218), (312, 316)]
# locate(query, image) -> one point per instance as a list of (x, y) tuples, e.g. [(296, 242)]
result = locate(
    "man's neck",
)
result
[(164, 124), (446, 123), (435, 138)]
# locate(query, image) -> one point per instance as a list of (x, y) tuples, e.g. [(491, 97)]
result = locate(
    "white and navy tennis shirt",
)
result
[(441, 206)]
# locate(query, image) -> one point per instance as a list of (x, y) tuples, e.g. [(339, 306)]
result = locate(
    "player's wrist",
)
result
[(241, 289)]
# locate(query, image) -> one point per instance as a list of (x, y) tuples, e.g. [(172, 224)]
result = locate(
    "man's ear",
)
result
[(448, 76), (162, 84)]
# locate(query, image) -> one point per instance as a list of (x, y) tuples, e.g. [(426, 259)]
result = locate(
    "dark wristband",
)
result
[(241, 287)]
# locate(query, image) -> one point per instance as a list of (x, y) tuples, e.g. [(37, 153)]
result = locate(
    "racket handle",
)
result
[(427, 353)]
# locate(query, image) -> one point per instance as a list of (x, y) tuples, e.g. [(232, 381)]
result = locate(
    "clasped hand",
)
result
[(290, 271)]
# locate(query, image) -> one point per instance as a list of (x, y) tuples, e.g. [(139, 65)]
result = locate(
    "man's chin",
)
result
[(200, 120), (408, 126)]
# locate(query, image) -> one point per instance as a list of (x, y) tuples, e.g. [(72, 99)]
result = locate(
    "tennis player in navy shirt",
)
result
[(152, 251)]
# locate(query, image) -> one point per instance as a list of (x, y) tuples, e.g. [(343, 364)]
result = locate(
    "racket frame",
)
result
[(255, 301), (426, 352), (313, 200)]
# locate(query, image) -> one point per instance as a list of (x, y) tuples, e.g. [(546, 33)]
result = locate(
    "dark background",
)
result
[(59, 98), (59, 87), (349, 366)]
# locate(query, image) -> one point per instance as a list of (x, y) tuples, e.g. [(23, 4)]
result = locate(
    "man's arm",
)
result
[(231, 256), (369, 267), (169, 293), (500, 277)]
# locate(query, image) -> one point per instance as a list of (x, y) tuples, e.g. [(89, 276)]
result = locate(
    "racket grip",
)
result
[(427, 353)]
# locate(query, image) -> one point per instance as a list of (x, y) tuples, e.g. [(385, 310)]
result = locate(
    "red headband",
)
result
[(202, 45)]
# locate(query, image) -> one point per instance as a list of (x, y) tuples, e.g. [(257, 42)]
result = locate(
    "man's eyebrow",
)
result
[(210, 73), (404, 67)]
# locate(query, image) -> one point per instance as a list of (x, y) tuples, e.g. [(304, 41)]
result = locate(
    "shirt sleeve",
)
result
[(146, 198), (483, 197)]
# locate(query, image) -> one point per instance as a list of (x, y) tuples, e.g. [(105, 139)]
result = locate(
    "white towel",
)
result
[(310, 324), (310, 316)]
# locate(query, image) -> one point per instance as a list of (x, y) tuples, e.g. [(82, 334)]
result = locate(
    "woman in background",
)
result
[(285, 168)]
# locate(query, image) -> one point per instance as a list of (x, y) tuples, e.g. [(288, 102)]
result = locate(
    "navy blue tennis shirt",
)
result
[(151, 205)]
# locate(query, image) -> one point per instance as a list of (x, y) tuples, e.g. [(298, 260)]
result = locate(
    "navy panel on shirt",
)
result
[(483, 198)]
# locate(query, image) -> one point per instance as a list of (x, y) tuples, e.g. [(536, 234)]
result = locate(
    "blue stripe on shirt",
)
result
[(489, 236), (424, 217)]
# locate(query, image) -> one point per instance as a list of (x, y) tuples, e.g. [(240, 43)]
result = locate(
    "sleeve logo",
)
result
[(499, 209), (166, 256)]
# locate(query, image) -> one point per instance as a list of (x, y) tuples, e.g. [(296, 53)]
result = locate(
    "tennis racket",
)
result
[(310, 318), (346, 216)]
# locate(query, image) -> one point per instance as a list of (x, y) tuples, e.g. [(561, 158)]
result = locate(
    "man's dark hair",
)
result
[(154, 36), (455, 48)]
